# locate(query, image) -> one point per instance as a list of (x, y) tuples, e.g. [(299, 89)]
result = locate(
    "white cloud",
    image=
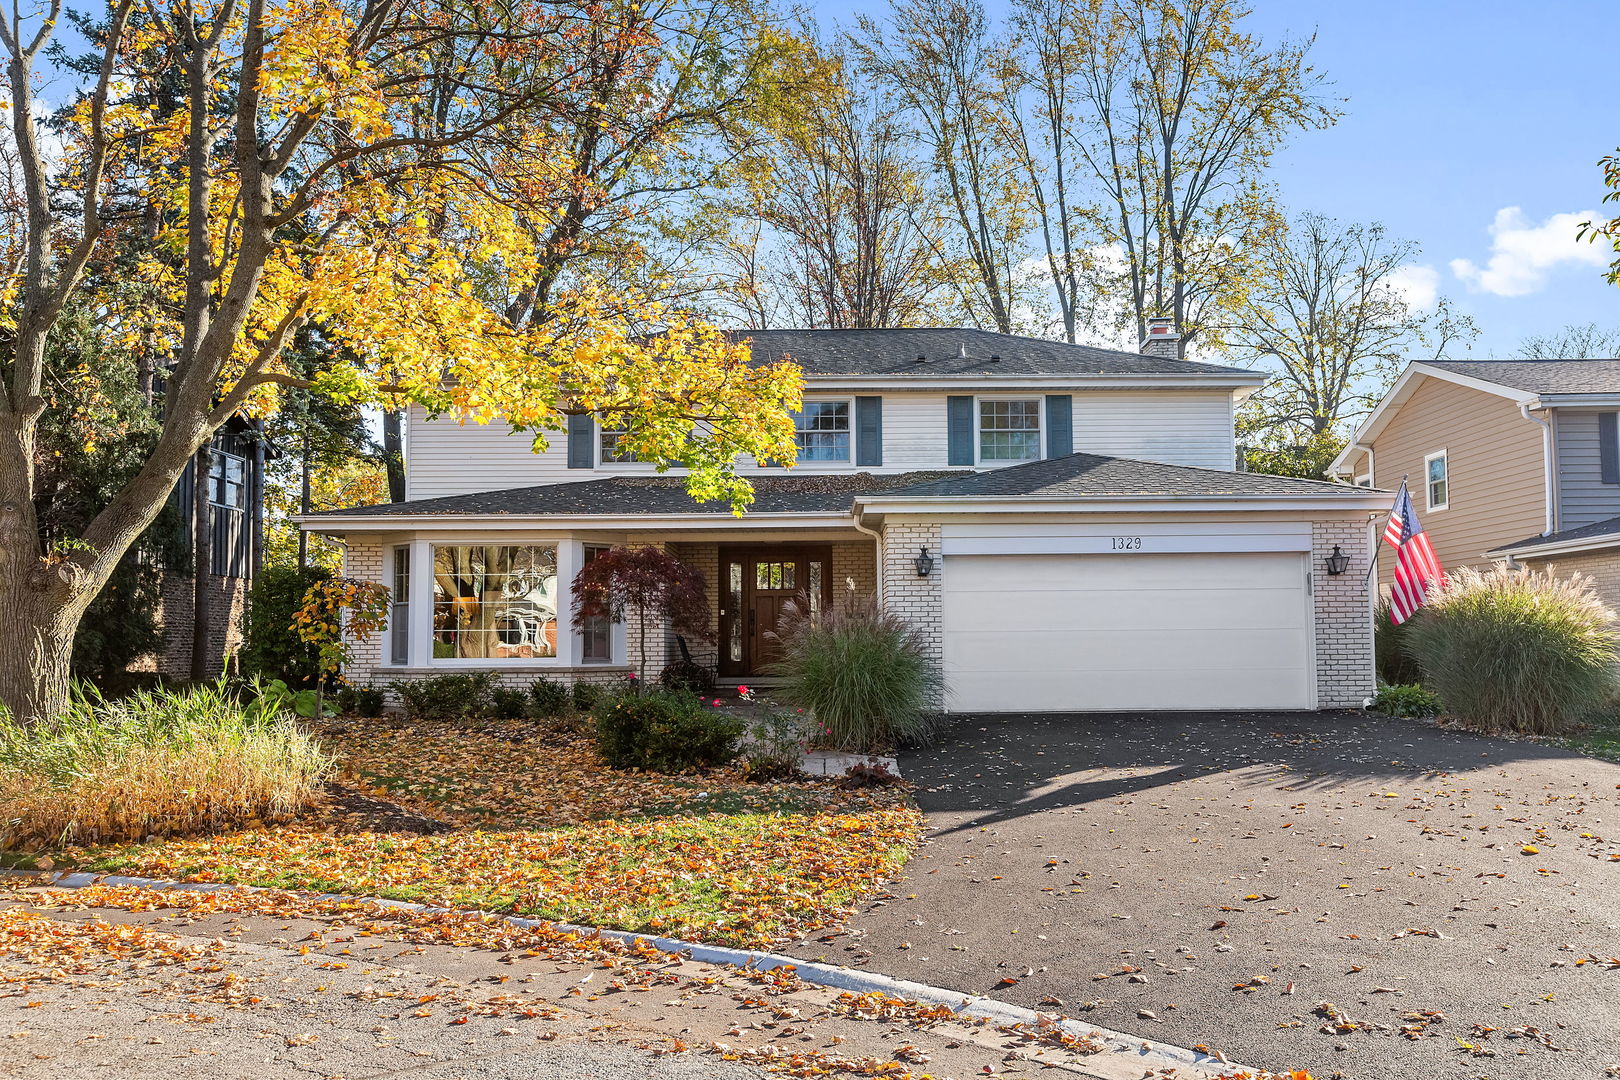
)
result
[(1523, 255), (1418, 285)]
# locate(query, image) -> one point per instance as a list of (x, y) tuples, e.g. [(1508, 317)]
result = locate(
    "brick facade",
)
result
[(920, 601), (227, 600), (1344, 642), (1603, 567)]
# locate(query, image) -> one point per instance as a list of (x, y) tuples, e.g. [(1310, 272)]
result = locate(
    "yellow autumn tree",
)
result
[(233, 172)]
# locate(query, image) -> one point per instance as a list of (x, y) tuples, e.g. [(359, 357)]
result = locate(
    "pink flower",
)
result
[(743, 690), (717, 702)]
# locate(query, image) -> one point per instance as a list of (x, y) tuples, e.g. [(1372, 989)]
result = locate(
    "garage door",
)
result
[(1069, 633)]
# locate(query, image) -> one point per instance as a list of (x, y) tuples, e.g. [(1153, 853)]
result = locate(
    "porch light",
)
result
[(1338, 562), (924, 562)]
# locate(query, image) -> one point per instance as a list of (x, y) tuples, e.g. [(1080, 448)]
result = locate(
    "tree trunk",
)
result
[(202, 551), (304, 506), (34, 678), (394, 452)]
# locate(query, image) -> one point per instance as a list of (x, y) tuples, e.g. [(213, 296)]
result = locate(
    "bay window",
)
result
[(495, 601)]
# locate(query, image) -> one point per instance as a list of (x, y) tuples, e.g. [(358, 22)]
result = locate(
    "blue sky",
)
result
[(1458, 112)]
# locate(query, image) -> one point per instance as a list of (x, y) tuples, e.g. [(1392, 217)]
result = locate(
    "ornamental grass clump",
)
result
[(861, 672), (162, 763), (1517, 650)]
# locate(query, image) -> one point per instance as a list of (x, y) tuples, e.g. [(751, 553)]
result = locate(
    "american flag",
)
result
[(1416, 568)]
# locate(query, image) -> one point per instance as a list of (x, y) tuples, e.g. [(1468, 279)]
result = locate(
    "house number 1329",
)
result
[(1127, 543)]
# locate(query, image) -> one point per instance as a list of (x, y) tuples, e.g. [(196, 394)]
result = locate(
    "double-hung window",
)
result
[(1009, 429), (821, 430), (399, 615), (610, 451), (227, 480), (1437, 480), (596, 631)]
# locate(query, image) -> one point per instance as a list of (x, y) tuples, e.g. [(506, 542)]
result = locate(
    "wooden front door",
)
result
[(755, 584)]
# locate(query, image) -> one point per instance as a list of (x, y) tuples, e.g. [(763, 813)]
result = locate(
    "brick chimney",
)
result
[(1162, 338)]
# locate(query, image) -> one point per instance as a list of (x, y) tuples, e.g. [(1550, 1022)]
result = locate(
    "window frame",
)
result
[(602, 460), (219, 459), (1365, 480), (588, 550), (1429, 482), (1037, 400), (563, 631), (848, 460)]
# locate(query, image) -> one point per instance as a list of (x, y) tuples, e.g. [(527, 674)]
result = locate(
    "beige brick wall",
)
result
[(1344, 643), (227, 599), (919, 601), (1603, 567)]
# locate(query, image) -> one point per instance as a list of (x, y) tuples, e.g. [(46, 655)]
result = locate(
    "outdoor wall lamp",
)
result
[(1338, 562), (925, 562)]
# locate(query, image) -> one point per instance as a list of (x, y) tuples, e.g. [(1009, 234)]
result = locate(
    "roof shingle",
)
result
[(1595, 531), (1542, 376), (1092, 475), (896, 352)]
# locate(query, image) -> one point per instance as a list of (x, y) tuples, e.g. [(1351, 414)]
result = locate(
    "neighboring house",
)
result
[(1063, 524), (236, 525), (1505, 459)]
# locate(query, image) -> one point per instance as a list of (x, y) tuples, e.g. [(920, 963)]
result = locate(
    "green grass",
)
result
[(1601, 739)]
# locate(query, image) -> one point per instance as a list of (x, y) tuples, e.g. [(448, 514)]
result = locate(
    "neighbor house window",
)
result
[(1438, 480), (610, 450), (596, 631), (495, 602), (399, 640), (821, 429), (227, 480), (1364, 480), (1009, 430)]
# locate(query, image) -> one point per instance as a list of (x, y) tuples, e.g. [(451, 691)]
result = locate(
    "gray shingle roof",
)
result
[(651, 495), (1595, 531), (1089, 475), (1542, 376), (1075, 475), (895, 352)]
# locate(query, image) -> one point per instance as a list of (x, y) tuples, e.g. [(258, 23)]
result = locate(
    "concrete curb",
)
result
[(1147, 1053)]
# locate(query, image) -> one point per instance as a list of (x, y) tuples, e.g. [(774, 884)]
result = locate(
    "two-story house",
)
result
[(1505, 459), (1064, 524)]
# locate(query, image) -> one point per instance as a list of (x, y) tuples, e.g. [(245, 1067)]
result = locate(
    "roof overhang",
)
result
[(1367, 500), (1557, 547), (369, 523), (1402, 391)]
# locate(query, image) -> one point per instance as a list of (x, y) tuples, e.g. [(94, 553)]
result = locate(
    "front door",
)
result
[(756, 584)]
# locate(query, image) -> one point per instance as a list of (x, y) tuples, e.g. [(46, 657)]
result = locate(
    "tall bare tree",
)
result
[(1578, 341), (1325, 315), (935, 59), (1181, 110)]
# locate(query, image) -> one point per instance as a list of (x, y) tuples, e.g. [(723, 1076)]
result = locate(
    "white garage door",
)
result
[(1071, 633)]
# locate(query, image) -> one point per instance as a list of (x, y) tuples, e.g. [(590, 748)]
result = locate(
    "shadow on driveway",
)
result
[(1141, 868)]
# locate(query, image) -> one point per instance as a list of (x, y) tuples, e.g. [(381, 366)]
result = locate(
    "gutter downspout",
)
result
[(1549, 474), (877, 554)]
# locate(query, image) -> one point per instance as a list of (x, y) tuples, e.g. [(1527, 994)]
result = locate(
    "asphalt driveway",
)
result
[(1359, 897)]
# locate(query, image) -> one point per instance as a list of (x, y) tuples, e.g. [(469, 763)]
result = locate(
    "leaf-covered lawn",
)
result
[(544, 829)]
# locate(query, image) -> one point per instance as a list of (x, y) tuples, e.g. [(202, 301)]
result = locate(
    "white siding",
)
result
[(1179, 427), (1173, 426)]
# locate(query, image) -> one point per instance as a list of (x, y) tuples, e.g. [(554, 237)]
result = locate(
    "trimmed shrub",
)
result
[(271, 648), (506, 703), (688, 675), (548, 699), (1516, 650), (446, 697), (359, 700), (1393, 657), (155, 762), (861, 672), (588, 695), (1407, 700), (664, 731)]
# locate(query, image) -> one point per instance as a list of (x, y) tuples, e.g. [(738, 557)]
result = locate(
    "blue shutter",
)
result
[(581, 441), (1059, 425), (959, 420), (1609, 447), (869, 431)]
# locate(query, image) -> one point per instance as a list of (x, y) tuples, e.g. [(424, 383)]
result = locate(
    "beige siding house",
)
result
[(1505, 460)]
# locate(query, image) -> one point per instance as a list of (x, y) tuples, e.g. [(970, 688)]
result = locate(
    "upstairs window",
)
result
[(1437, 481), (821, 429), (1010, 430), (227, 480), (611, 454)]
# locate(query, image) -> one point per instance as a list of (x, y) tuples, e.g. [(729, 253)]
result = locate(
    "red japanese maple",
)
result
[(647, 583)]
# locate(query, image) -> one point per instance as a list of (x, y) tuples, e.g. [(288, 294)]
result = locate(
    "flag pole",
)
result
[(1372, 563)]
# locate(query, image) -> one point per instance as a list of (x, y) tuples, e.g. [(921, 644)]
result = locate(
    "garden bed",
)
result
[(538, 826)]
